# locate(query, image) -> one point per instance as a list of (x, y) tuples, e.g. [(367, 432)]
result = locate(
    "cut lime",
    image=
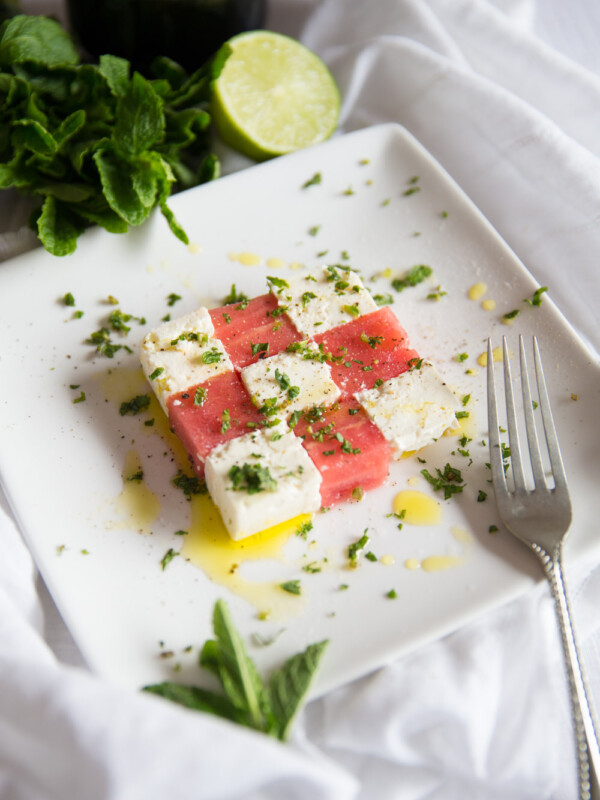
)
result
[(273, 96)]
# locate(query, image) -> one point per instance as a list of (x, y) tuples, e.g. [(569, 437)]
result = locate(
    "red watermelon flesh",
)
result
[(332, 441), (253, 323), (202, 427), (369, 348)]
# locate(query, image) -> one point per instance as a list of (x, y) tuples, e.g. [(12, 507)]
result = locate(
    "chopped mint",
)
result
[(314, 181), (414, 276)]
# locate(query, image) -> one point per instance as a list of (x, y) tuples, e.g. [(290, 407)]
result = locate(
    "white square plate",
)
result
[(62, 463)]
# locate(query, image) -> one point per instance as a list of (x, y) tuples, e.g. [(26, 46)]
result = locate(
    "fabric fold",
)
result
[(538, 187)]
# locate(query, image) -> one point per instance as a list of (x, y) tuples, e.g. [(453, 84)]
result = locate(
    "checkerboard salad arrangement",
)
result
[(296, 399)]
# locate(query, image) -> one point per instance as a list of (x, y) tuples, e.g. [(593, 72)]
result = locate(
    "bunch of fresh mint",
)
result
[(96, 144), (269, 708)]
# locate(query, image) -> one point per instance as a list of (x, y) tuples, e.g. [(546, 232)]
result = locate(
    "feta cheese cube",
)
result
[(413, 409), (324, 300), (182, 353), (261, 479), (290, 381)]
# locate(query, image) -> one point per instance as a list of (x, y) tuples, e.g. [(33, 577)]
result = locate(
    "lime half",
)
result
[(273, 96)]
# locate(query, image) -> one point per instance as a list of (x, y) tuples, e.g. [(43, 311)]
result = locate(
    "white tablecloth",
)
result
[(506, 95)]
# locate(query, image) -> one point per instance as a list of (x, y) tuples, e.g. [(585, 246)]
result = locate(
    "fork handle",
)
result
[(588, 751)]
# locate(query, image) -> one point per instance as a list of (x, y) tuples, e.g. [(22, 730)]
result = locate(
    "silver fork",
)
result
[(540, 518)]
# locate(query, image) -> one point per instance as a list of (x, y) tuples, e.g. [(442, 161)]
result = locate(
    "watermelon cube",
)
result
[(366, 351), (346, 447), (246, 328), (211, 413)]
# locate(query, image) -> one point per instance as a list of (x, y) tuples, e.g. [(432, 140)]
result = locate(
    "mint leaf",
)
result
[(195, 698), (140, 121), (173, 224), (69, 127), (289, 684), (57, 228), (148, 173), (107, 146), (15, 173), (164, 191), (195, 90), (37, 39), (97, 211), (69, 192), (118, 187), (183, 126), (30, 134), (269, 709), (235, 668), (164, 68), (210, 168), (116, 72)]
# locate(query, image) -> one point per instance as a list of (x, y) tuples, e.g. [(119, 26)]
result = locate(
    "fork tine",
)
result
[(498, 477), (558, 470), (511, 417), (532, 438)]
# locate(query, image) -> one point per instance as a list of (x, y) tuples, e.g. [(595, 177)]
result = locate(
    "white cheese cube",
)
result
[(261, 479), (411, 410), (291, 381), (183, 352), (323, 300)]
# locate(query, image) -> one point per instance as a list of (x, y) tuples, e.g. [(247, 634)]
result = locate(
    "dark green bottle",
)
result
[(8, 9), (188, 31)]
